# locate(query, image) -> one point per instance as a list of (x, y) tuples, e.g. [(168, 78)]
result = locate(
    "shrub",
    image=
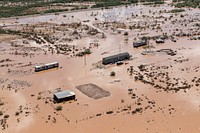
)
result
[(1, 113), (176, 10), (112, 73), (136, 78), (58, 108), (140, 77), (16, 113), (1, 103), (6, 116), (87, 51), (39, 97), (126, 33)]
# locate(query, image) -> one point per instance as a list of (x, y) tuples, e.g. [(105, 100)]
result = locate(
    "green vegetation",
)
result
[(145, 38), (112, 73), (10, 8), (85, 52), (176, 10), (16, 113), (13, 32), (187, 3), (58, 108), (1, 113), (126, 33), (6, 116), (1, 103), (108, 3), (39, 97), (149, 2)]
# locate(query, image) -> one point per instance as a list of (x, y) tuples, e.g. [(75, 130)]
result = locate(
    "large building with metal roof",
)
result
[(62, 96), (115, 58)]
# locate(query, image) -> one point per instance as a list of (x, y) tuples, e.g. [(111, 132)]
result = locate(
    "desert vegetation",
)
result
[(10, 8), (154, 88), (187, 3)]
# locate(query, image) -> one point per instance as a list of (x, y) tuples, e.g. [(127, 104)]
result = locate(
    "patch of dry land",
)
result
[(93, 91), (155, 91)]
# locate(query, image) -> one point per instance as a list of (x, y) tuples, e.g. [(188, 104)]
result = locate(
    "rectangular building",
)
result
[(139, 43), (62, 96), (46, 66), (115, 58)]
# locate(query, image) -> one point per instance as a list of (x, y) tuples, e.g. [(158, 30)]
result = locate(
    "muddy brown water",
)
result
[(172, 112)]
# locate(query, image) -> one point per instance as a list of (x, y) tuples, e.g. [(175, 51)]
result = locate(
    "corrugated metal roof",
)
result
[(53, 63), (64, 94), (116, 56)]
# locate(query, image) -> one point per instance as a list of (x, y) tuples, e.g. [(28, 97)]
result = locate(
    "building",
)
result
[(46, 66), (62, 96), (159, 40), (139, 43), (116, 58)]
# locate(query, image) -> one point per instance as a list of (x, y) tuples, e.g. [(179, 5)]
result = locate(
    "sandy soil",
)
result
[(151, 92), (93, 91)]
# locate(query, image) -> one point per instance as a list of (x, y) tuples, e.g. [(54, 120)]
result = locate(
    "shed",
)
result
[(65, 95), (139, 43), (116, 58), (160, 40)]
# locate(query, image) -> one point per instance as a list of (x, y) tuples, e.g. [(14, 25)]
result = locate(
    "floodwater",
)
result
[(162, 111)]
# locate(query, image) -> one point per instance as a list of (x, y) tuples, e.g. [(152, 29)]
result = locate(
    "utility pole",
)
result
[(119, 48), (85, 63)]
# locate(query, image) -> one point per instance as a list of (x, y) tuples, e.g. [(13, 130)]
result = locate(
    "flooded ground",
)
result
[(152, 92)]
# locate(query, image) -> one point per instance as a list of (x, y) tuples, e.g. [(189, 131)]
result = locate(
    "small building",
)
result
[(139, 43), (115, 58), (46, 66), (160, 40), (62, 96)]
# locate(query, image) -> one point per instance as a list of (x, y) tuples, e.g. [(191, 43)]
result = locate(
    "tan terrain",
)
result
[(153, 92)]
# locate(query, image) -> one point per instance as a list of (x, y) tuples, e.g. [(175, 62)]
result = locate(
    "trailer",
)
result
[(46, 66), (139, 43)]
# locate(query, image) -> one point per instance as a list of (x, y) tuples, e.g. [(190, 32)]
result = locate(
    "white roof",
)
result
[(51, 63), (37, 66), (64, 94)]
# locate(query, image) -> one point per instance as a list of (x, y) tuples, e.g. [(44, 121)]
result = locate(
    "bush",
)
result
[(136, 78), (58, 108), (187, 3), (176, 10), (1, 113), (112, 73), (126, 33), (87, 51), (6, 116), (16, 113), (39, 97), (1, 103)]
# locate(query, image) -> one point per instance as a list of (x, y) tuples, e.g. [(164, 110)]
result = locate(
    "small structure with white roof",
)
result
[(65, 95)]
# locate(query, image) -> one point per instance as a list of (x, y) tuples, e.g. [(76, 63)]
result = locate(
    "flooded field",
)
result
[(156, 90)]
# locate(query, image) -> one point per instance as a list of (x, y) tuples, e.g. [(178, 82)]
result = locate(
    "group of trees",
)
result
[(9, 8), (187, 3)]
